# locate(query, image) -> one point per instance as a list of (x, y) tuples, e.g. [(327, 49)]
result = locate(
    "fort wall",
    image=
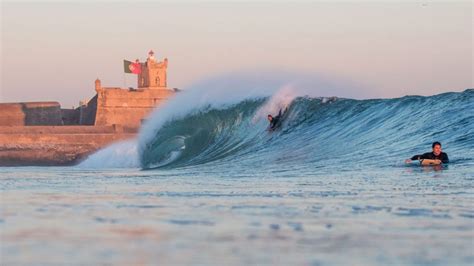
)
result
[(127, 107), (31, 113), (56, 145), (67, 129), (87, 112), (70, 116)]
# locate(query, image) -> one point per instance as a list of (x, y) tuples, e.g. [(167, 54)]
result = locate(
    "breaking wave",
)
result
[(317, 131)]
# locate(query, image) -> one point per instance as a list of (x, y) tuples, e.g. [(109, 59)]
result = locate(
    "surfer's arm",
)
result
[(423, 156), (445, 158), (276, 118), (416, 157), (430, 162)]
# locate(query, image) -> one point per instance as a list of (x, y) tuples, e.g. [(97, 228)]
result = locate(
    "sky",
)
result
[(55, 50)]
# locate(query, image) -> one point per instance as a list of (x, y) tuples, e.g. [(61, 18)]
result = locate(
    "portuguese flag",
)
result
[(130, 67)]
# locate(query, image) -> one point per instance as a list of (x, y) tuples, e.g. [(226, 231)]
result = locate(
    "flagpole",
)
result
[(124, 80)]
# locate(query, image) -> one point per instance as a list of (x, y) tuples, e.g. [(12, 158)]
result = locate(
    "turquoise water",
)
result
[(329, 188)]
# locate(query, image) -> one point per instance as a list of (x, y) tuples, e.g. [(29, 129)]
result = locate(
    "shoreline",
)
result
[(56, 145)]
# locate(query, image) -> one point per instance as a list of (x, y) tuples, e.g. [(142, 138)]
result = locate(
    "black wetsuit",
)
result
[(443, 157), (275, 121)]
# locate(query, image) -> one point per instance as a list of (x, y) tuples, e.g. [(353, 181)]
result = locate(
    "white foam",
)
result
[(279, 101), (118, 155)]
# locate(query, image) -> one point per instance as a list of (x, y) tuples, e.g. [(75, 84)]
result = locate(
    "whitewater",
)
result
[(205, 182)]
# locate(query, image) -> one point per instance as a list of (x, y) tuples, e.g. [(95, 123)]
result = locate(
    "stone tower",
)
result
[(153, 74)]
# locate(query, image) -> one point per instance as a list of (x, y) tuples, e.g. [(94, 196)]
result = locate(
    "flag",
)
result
[(130, 67)]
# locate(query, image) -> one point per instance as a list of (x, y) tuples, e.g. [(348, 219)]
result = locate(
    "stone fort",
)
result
[(110, 106), (43, 133)]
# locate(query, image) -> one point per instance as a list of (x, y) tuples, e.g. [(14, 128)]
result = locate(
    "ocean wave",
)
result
[(316, 131)]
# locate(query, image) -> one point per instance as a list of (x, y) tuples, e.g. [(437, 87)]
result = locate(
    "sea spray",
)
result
[(122, 154)]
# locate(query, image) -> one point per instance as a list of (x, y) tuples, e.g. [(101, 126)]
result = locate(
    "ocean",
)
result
[(207, 184)]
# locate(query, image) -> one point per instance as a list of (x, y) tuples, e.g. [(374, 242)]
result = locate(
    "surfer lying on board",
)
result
[(431, 158), (275, 122)]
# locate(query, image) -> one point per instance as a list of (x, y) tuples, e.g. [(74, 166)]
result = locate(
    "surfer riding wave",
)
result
[(275, 122)]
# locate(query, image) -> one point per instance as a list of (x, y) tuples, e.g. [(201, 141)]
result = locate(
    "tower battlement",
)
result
[(153, 73)]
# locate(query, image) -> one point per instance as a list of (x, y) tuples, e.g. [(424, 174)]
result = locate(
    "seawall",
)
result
[(30, 113), (56, 145)]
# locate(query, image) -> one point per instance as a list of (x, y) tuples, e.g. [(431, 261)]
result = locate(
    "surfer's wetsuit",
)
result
[(443, 157), (275, 121)]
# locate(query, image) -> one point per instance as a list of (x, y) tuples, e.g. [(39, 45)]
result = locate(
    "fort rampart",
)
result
[(42, 133), (55, 145)]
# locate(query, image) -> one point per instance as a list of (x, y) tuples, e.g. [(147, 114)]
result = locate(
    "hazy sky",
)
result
[(55, 50)]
